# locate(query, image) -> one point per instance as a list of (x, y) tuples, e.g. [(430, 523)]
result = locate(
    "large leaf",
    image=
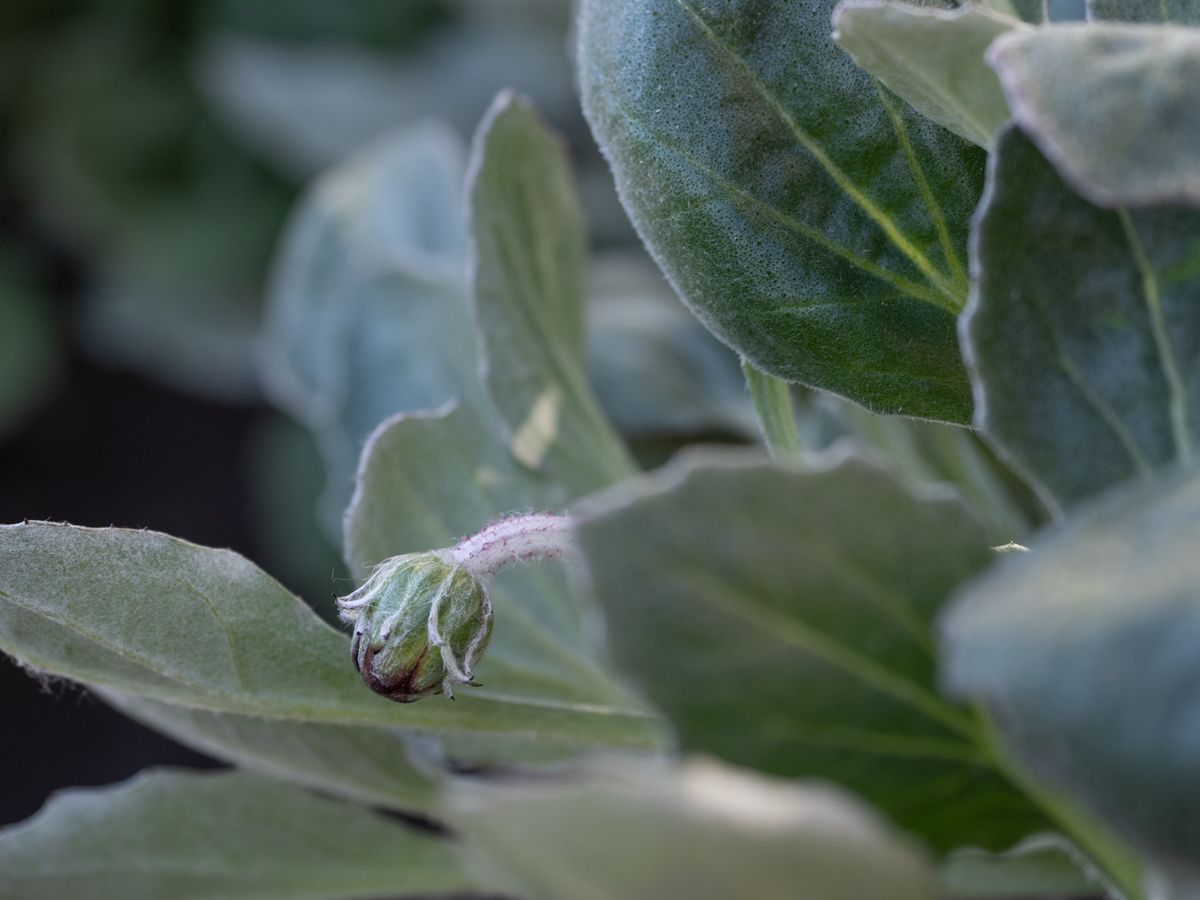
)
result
[(779, 628), (226, 836), (427, 481), (933, 58), (157, 617), (1086, 651), (1083, 333), (528, 251), (811, 219), (369, 765), (1070, 86), (1153, 12), (703, 832)]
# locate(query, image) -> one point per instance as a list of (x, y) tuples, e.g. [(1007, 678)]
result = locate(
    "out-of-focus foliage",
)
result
[(28, 343), (160, 144)]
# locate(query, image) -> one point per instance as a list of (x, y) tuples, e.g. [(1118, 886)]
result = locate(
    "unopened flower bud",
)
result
[(421, 621)]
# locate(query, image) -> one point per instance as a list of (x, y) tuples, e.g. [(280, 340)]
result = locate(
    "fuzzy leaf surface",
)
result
[(933, 58), (801, 639), (1070, 85), (224, 836), (810, 219), (1083, 333), (367, 308)]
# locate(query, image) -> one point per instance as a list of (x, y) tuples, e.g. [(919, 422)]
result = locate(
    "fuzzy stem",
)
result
[(515, 539), (773, 404)]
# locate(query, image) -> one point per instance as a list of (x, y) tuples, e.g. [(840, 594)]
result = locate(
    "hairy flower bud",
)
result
[(421, 621)]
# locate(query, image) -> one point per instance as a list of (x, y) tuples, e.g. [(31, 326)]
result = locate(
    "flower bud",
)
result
[(421, 621)]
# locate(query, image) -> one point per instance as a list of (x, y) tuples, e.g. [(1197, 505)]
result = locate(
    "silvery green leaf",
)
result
[(932, 58), (528, 280), (1069, 87), (392, 208), (365, 765), (1085, 650), (810, 219), (1149, 12), (655, 369), (1082, 333), (224, 836), (801, 640), (157, 617), (701, 831)]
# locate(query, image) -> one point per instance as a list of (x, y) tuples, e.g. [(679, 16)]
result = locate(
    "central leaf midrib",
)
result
[(1151, 295), (736, 194)]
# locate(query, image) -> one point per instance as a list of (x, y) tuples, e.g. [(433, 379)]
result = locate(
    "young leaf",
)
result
[(224, 836), (527, 264), (1083, 334), (933, 58), (703, 831), (1150, 12), (1086, 651), (808, 217), (393, 207), (1068, 85), (778, 628), (154, 616), (367, 765)]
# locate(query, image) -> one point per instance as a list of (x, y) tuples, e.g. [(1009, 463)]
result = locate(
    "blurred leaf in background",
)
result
[(29, 352)]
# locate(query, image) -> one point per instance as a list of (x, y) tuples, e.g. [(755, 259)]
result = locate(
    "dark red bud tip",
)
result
[(400, 686)]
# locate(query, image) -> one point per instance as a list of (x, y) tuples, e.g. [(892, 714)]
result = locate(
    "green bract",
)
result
[(420, 625)]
